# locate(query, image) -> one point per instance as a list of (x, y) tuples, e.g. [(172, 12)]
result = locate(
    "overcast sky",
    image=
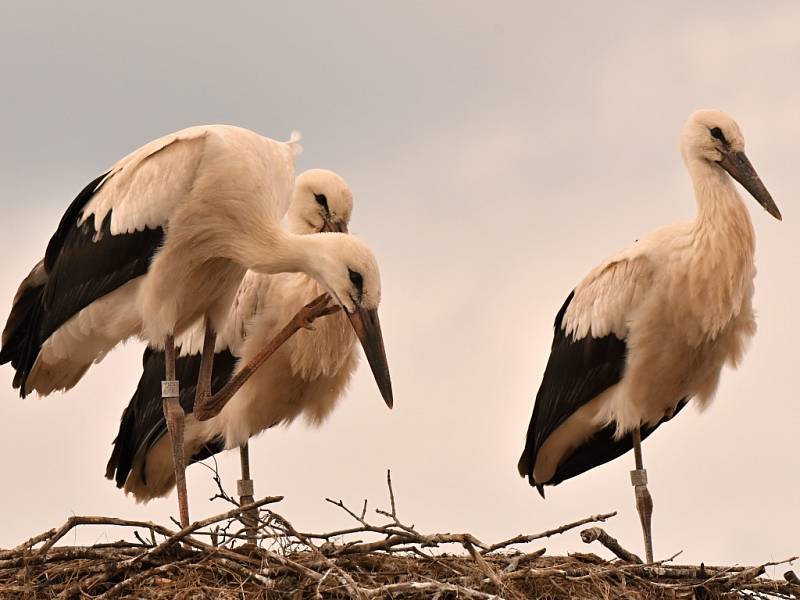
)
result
[(497, 152)]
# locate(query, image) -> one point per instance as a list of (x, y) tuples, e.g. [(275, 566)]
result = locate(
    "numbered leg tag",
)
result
[(170, 389), (244, 487), (639, 477)]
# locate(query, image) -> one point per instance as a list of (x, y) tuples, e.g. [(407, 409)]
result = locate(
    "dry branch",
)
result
[(524, 539), (598, 534), (391, 559)]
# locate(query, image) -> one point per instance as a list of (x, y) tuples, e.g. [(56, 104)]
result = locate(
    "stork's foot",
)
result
[(644, 506), (319, 307)]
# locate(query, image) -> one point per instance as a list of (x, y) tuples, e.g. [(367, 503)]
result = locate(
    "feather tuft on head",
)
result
[(294, 142)]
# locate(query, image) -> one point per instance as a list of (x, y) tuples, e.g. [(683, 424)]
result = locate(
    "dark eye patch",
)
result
[(717, 133), (321, 200), (357, 280)]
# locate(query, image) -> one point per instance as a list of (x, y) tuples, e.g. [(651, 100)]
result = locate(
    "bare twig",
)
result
[(366, 561), (485, 567), (524, 539), (215, 477), (598, 534), (183, 533), (74, 521), (428, 589), (140, 577)]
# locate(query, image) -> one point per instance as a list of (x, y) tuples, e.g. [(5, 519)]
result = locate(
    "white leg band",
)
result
[(170, 389), (244, 487), (639, 477)]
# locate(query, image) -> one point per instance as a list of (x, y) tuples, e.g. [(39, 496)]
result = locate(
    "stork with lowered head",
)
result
[(162, 240), (307, 376)]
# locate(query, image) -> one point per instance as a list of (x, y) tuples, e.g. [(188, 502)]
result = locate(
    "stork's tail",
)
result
[(141, 462), (525, 468), (20, 336)]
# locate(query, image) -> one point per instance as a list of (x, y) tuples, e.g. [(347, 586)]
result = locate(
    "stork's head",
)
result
[(322, 201), (346, 267), (712, 137)]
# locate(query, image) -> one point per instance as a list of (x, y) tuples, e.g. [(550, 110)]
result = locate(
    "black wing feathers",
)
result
[(576, 372), (23, 315), (92, 263), (602, 448), (68, 221), (82, 263), (143, 424)]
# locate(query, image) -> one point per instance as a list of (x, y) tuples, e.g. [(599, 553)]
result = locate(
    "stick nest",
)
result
[(252, 551)]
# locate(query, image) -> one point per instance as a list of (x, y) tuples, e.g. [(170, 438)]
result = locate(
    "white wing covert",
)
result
[(143, 189), (603, 301)]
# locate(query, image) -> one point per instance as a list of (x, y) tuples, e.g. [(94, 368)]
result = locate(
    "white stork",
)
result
[(163, 240), (651, 328), (307, 376)]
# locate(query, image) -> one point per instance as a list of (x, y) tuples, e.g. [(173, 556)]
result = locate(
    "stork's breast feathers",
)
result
[(605, 299), (328, 351)]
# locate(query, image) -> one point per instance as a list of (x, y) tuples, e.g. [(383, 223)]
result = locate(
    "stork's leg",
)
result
[(203, 389), (245, 488), (644, 502), (202, 396), (210, 406), (174, 415)]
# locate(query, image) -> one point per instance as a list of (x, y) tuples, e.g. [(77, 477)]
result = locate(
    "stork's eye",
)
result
[(717, 133), (356, 278), (321, 200)]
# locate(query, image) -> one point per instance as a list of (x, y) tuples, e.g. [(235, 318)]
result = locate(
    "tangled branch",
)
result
[(391, 558)]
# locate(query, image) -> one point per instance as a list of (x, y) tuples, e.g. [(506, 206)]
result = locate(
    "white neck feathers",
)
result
[(291, 253), (723, 245), (723, 222)]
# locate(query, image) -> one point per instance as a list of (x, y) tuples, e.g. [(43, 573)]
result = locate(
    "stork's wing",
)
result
[(602, 448), (587, 357), (107, 237), (143, 424), (603, 301), (144, 188)]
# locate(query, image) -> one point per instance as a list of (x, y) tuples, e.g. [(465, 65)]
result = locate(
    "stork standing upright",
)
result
[(651, 328), (163, 240), (308, 375)]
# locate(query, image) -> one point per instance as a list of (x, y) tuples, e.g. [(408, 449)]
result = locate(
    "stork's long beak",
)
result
[(334, 226), (740, 168), (368, 329)]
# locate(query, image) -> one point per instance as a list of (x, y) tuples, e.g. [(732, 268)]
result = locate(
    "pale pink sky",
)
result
[(496, 155)]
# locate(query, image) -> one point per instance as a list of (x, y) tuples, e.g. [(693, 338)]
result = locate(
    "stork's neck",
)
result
[(279, 251), (721, 272), (723, 222)]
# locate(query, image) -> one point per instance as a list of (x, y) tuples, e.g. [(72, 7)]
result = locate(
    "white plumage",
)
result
[(162, 241), (651, 328), (218, 193), (306, 376)]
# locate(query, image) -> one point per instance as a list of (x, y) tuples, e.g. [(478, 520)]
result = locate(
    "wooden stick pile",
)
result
[(212, 558)]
